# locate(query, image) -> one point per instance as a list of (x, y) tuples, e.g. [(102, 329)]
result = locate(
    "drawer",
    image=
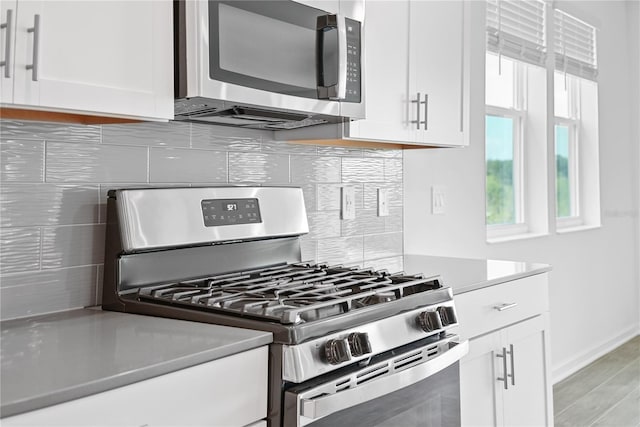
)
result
[(231, 391), (497, 306)]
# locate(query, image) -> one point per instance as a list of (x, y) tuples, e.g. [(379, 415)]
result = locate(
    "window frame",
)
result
[(572, 122), (518, 167), (575, 218), (518, 114)]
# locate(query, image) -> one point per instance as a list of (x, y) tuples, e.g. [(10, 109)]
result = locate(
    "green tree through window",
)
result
[(501, 202), (563, 183)]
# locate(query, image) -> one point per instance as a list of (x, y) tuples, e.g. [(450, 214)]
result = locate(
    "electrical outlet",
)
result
[(438, 201), (348, 205), (383, 202)]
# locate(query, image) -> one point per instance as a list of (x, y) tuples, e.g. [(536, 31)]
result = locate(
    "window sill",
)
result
[(565, 230), (515, 237)]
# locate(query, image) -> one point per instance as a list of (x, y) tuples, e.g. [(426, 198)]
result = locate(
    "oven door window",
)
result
[(432, 402), (267, 45)]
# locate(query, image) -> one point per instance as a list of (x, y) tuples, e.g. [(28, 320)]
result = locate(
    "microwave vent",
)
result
[(297, 124), (196, 106)]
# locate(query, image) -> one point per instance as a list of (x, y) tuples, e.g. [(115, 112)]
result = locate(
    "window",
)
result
[(575, 123), (522, 126), (566, 185), (512, 50), (503, 142), (567, 113)]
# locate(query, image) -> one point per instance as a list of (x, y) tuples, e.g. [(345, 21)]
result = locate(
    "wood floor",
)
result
[(604, 393)]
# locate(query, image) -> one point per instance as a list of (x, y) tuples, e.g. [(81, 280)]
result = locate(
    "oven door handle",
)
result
[(328, 404)]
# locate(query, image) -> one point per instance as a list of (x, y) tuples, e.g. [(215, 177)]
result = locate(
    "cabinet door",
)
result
[(386, 65), (480, 399), (98, 57), (525, 402), (7, 37), (436, 70)]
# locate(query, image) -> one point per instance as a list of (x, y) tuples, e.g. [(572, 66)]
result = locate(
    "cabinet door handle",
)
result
[(7, 47), (417, 121), (513, 367), (36, 47), (505, 306), (504, 368), (418, 102), (462, 65), (426, 111)]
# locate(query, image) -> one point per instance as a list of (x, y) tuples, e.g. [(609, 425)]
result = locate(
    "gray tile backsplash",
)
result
[(54, 180), (21, 161), (83, 162), (20, 250), (167, 165), (24, 205)]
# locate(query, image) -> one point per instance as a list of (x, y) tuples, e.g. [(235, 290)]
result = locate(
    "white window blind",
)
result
[(516, 28), (574, 46)]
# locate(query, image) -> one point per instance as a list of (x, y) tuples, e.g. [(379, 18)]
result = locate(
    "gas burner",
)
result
[(291, 293)]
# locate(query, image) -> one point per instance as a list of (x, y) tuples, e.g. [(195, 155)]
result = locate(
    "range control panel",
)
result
[(217, 212)]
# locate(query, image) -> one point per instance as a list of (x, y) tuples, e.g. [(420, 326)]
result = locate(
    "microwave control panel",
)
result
[(354, 79), (216, 212)]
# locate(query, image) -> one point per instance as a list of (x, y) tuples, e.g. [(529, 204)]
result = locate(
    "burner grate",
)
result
[(291, 293)]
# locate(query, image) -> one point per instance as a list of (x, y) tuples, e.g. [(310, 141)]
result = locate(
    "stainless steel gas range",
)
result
[(352, 346)]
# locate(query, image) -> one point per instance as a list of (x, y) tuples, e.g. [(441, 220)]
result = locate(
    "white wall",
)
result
[(595, 297), (633, 24)]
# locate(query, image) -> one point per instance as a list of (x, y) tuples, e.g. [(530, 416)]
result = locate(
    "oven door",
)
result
[(419, 387)]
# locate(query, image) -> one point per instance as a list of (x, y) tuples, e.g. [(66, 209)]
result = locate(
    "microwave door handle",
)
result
[(319, 407), (337, 91)]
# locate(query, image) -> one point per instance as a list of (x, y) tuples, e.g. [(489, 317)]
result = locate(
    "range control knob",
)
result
[(429, 321), (359, 343), (336, 351), (447, 315)]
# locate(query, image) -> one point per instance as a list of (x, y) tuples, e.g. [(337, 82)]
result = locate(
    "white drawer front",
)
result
[(497, 306), (231, 391)]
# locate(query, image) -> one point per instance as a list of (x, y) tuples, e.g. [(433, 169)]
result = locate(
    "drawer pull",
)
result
[(505, 306)]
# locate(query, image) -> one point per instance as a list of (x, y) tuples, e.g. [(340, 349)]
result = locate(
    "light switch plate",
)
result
[(438, 200), (383, 202), (348, 205)]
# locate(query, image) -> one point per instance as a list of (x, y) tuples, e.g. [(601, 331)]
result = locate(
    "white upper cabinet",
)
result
[(7, 36), (109, 58), (436, 71), (414, 83), (386, 66)]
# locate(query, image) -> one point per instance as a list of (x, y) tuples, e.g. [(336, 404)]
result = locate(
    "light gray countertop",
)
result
[(465, 274), (63, 356)]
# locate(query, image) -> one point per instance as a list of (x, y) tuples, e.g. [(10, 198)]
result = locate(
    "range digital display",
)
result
[(217, 212)]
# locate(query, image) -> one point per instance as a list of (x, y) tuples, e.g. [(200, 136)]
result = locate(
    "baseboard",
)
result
[(567, 368)]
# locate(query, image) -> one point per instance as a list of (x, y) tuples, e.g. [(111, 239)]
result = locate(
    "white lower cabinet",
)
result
[(231, 391), (504, 380)]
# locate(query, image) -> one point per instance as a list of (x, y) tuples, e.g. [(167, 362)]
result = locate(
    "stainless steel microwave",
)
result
[(269, 64)]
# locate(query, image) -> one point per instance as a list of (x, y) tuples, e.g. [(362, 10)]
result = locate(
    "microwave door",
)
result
[(265, 45)]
